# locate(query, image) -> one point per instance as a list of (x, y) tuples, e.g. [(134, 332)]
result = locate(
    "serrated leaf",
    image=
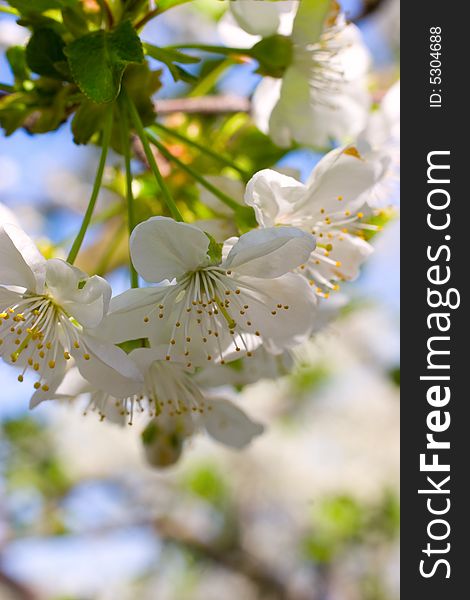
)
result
[(44, 50), (97, 60)]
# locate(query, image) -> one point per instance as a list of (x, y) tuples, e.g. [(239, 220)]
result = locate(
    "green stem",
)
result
[(4, 87), (225, 50), (124, 122), (107, 128), (195, 175), (219, 157), (175, 213), (205, 85)]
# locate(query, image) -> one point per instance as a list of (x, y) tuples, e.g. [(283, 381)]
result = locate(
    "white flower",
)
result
[(381, 138), (214, 307), (329, 206), (46, 308), (323, 92), (174, 401), (248, 21)]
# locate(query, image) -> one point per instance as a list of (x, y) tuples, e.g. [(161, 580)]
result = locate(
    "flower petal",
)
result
[(309, 21), (125, 320), (162, 248), (256, 18), (283, 312), (271, 252), (21, 263), (53, 384), (264, 100), (107, 367), (273, 196), (85, 298), (229, 425), (341, 174)]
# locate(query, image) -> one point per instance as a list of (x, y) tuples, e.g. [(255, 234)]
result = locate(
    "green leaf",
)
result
[(16, 57), (44, 51), (166, 55), (14, 110), (29, 6), (87, 120), (141, 83), (214, 251), (97, 60), (169, 57)]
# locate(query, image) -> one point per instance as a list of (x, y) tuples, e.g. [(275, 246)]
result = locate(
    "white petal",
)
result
[(229, 425), (108, 368), (287, 327), (53, 383), (270, 252), (85, 298), (233, 35), (349, 250), (341, 174), (316, 117), (125, 320), (6, 215), (21, 263), (8, 298), (264, 100), (162, 248), (310, 20), (255, 17), (273, 196)]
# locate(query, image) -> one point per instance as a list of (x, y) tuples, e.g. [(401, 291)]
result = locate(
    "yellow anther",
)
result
[(42, 354), (338, 263), (86, 356), (66, 355), (146, 319), (45, 388), (76, 344), (37, 385), (20, 378), (360, 215), (51, 364), (340, 198)]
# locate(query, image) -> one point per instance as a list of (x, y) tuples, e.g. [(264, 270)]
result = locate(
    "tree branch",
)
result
[(204, 105)]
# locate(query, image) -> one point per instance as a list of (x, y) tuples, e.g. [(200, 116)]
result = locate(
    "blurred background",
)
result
[(308, 512)]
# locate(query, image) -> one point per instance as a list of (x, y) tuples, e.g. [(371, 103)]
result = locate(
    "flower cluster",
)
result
[(209, 309)]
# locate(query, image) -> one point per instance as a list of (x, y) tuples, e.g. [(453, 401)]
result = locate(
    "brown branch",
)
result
[(233, 558), (15, 589), (204, 105)]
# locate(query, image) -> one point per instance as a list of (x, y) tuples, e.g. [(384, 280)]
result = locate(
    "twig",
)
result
[(204, 105), (17, 590)]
